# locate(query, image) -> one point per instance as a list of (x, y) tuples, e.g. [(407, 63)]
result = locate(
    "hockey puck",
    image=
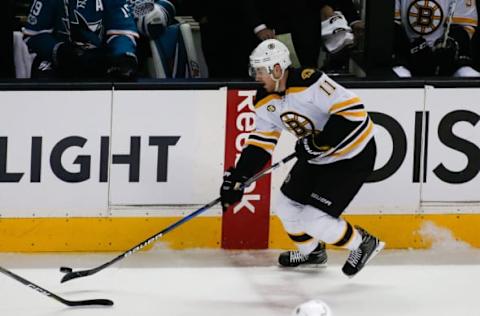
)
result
[(65, 269)]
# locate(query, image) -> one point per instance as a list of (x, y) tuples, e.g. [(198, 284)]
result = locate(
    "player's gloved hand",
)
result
[(419, 46), (65, 55), (421, 57), (307, 147), (231, 191), (74, 60), (446, 55), (123, 67)]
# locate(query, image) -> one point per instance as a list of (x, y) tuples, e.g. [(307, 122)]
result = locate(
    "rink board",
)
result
[(120, 234), (100, 170)]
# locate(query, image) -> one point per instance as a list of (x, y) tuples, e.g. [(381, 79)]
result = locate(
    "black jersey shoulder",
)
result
[(263, 96), (302, 77)]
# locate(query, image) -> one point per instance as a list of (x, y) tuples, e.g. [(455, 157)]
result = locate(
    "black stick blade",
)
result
[(41, 290), (100, 301), (65, 269), (76, 274)]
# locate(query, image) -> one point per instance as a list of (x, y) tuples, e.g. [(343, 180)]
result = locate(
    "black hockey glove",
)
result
[(421, 58), (230, 191), (66, 56), (123, 67), (72, 60), (446, 55), (307, 147)]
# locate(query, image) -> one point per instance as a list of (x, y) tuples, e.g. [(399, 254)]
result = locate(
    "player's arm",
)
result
[(347, 126), (335, 132), (257, 152), (465, 17), (464, 23), (121, 35), (397, 15), (452, 51), (39, 30), (338, 133), (120, 27), (261, 142), (252, 159)]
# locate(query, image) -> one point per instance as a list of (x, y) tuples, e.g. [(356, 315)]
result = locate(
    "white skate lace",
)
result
[(354, 257), (296, 256)]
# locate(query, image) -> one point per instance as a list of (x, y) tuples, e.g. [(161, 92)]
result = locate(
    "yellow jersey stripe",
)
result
[(266, 146), (358, 141), (352, 113), (338, 106), (267, 99), (267, 134), (296, 89), (470, 21)]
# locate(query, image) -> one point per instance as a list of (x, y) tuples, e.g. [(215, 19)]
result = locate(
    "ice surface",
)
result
[(246, 283)]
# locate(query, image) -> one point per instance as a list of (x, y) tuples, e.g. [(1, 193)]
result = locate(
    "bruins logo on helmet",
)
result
[(297, 124), (307, 73), (425, 16)]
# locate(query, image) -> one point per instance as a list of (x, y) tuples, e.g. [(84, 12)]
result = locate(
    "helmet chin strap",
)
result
[(277, 81)]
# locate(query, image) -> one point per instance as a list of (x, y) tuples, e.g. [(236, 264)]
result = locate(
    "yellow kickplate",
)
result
[(404, 231), (104, 234)]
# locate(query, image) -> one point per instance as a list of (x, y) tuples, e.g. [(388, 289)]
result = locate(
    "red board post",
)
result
[(245, 225)]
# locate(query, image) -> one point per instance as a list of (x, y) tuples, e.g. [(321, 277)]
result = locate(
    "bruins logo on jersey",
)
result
[(425, 16), (297, 124), (307, 73)]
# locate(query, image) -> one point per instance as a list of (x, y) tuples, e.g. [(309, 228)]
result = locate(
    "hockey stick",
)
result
[(103, 302), (70, 274), (451, 12)]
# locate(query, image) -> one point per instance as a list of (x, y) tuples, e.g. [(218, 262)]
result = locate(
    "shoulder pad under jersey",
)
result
[(303, 77)]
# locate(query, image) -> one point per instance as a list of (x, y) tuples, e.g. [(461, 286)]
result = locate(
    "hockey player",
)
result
[(335, 150), (434, 37), (82, 38)]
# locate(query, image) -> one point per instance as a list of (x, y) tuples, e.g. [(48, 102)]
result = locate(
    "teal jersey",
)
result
[(92, 23)]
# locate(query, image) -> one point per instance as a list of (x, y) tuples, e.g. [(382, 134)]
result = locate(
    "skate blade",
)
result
[(305, 267), (377, 250)]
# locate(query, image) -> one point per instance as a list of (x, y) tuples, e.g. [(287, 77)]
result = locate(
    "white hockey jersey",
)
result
[(428, 18), (310, 100)]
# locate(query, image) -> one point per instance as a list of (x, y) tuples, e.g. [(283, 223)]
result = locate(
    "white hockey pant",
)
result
[(300, 220)]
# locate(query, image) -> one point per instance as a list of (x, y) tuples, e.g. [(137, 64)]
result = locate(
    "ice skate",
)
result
[(317, 258), (359, 257)]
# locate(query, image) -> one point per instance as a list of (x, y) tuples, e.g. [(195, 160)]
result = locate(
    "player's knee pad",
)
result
[(322, 226), (289, 213)]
